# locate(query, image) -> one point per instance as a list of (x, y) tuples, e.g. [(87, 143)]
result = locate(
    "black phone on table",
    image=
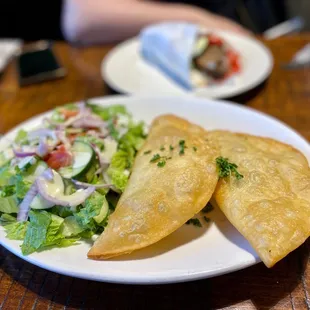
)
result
[(39, 64)]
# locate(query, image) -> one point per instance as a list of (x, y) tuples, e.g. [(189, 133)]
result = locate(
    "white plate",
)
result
[(126, 72), (189, 253)]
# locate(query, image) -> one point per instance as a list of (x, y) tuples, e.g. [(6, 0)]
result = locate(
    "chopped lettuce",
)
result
[(91, 209), (9, 204), (118, 178), (71, 227), (61, 211), (7, 190), (6, 156), (54, 235), (36, 231), (43, 230), (61, 226), (122, 160), (21, 136), (6, 219), (21, 186), (6, 172), (107, 113), (16, 230)]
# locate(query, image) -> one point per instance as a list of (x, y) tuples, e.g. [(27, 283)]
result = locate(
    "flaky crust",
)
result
[(159, 200), (270, 206)]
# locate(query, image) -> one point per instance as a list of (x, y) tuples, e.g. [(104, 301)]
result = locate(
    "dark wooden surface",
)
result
[(286, 96)]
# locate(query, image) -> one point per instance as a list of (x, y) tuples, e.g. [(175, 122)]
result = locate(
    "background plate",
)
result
[(126, 72), (189, 253)]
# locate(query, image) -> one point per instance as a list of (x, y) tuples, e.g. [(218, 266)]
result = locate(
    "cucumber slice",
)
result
[(27, 162), (6, 156), (39, 203), (83, 160), (104, 211)]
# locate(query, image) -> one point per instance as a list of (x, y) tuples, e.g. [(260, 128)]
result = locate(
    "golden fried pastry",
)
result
[(173, 178), (270, 205)]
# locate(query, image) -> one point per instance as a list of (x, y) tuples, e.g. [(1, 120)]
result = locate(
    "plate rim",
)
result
[(232, 93), (143, 279)]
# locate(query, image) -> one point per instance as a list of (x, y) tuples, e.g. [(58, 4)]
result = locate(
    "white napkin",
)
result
[(168, 46), (8, 49)]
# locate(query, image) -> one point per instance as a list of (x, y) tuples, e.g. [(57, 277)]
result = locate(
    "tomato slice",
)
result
[(68, 113), (234, 61), (215, 40), (59, 158)]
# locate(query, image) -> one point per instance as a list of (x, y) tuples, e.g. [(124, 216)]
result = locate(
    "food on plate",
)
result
[(214, 59), (269, 199), (189, 55), (93, 172), (60, 181), (173, 178)]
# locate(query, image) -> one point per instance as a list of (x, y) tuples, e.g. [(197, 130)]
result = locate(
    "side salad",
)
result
[(59, 182)]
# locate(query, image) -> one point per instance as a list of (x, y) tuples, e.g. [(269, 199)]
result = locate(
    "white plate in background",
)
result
[(125, 71), (190, 253)]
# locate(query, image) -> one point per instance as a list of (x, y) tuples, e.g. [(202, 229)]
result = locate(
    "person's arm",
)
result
[(103, 21)]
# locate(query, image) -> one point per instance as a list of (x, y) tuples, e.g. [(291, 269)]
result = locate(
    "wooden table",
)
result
[(286, 95)]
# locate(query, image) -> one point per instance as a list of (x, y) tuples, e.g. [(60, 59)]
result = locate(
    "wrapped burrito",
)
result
[(187, 55)]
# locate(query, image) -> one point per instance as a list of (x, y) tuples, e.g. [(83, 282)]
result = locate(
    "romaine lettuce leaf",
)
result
[(92, 207), (71, 227), (118, 178), (21, 136), (110, 112), (6, 219), (16, 230), (21, 186), (6, 173), (36, 231), (61, 211), (122, 161), (9, 204), (7, 190), (44, 230), (53, 233)]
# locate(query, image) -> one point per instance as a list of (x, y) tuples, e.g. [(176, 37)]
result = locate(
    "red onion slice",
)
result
[(21, 154), (42, 133), (89, 121), (42, 149), (72, 200), (48, 174), (24, 207), (84, 184)]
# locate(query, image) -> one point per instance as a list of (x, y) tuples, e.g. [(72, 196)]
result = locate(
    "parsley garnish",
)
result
[(155, 158), (195, 148), (225, 168), (171, 147), (161, 160), (147, 152), (161, 163), (195, 222), (206, 219), (182, 147), (162, 148), (208, 208)]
